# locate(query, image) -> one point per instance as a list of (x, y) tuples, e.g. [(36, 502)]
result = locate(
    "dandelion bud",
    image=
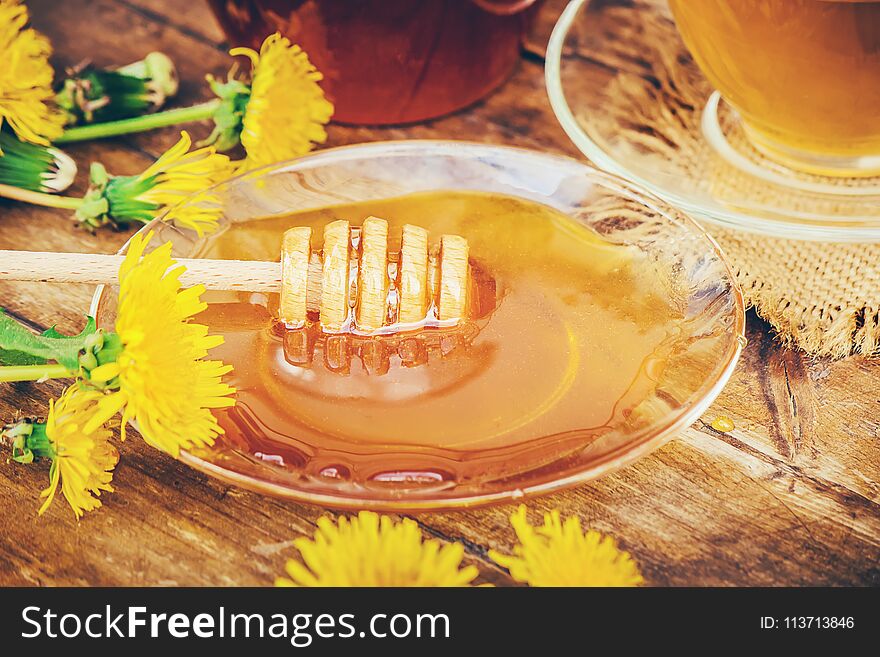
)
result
[(94, 95)]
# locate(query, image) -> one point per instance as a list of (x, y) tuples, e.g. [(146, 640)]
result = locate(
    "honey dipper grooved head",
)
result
[(334, 290), (453, 277), (419, 277), (373, 275), (295, 252), (413, 277)]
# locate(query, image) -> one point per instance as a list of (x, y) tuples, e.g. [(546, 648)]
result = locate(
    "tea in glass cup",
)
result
[(804, 76)]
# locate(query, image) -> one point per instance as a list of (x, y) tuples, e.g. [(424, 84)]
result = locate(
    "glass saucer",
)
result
[(628, 94), (695, 278)]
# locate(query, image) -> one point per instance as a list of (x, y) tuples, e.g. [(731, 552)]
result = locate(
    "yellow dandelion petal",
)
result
[(369, 550), (106, 408), (560, 554), (165, 384), (104, 373), (84, 457), (26, 78), (287, 111), (179, 174)]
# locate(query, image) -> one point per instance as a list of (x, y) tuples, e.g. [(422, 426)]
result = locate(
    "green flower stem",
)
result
[(12, 373), (140, 123), (39, 198)]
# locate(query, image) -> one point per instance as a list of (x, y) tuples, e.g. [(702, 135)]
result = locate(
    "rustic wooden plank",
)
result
[(790, 496), (167, 525), (190, 18)]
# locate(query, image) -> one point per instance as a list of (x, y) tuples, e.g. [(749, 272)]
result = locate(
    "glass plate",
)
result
[(683, 256), (628, 94)]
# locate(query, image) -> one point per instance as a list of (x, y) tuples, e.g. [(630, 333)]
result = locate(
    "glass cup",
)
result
[(804, 76), (392, 61)]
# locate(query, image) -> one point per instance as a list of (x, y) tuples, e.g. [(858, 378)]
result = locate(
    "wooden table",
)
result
[(790, 497)]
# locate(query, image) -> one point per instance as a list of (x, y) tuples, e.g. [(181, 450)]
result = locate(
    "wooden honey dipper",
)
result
[(357, 300), (406, 291), (355, 286)]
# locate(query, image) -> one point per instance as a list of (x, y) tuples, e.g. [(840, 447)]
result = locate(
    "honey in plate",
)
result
[(571, 336)]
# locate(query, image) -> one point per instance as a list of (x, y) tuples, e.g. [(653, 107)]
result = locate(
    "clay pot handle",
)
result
[(504, 7)]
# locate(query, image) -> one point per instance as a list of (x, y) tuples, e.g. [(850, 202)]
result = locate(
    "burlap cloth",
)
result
[(820, 297)]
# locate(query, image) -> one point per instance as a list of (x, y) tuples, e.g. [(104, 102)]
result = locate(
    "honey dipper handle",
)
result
[(237, 275)]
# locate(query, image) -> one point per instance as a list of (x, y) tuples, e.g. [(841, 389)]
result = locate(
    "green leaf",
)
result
[(11, 357), (53, 334), (18, 346)]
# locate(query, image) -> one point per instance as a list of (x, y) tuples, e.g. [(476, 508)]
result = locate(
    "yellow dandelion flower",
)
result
[(287, 111), (82, 456), (176, 175), (280, 112), (179, 173), (560, 554), (276, 110), (161, 379), (26, 78), (369, 550)]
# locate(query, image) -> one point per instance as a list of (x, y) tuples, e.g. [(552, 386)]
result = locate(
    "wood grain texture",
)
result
[(791, 496)]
